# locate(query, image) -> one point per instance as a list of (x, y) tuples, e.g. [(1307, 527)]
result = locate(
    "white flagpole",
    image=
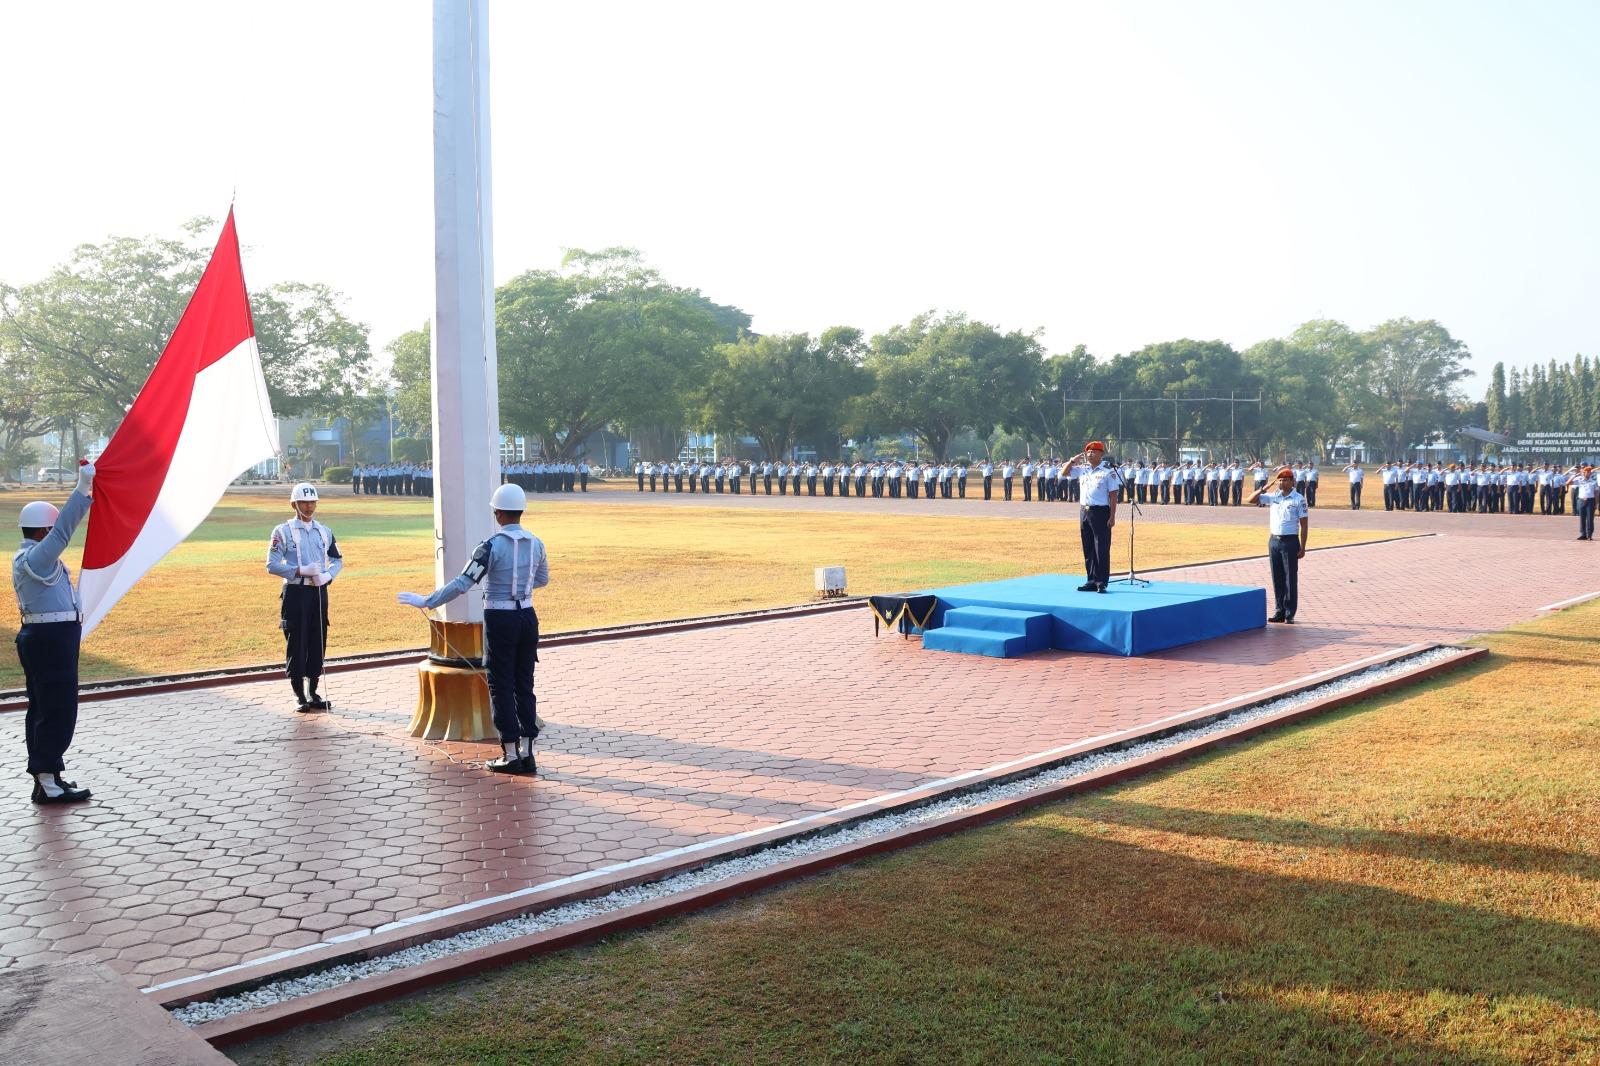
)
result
[(466, 405)]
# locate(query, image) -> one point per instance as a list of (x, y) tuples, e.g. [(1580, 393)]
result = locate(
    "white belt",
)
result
[(507, 605), (51, 616)]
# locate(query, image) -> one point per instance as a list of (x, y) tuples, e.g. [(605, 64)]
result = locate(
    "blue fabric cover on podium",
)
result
[(1128, 620)]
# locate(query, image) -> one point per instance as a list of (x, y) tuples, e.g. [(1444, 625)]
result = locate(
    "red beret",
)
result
[(1283, 471), (1092, 445)]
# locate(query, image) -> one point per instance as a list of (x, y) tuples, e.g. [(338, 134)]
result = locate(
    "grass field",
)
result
[(211, 602), (1415, 880)]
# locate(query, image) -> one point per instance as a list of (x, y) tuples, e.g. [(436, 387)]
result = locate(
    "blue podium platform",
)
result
[(1023, 614)]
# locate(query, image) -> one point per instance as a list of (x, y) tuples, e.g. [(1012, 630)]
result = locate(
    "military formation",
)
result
[(416, 479), (1481, 488), (392, 479), (1046, 481)]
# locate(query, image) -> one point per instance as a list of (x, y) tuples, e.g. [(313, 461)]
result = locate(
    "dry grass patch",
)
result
[(1416, 879), (211, 602)]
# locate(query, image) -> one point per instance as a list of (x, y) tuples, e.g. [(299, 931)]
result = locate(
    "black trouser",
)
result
[(1311, 493), (1027, 487), (303, 615), (1585, 529), (988, 486), (1166, 491), (1006, 484), (827, 485), (510, 648), (733, 484), (767, 479), (1285, 555), (1355, 495), (1388, 497), (961, 485), (48, 652), (641, 482), (1238, 491), (583, 481), (1095, 532)]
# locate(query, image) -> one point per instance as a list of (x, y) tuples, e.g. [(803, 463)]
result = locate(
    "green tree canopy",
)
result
[(1406, 387), (938, 375), (786, 388), (601, 340), (96, 325), (411, 370)]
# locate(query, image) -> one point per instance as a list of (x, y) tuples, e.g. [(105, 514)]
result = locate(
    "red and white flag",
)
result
[(202, 419)]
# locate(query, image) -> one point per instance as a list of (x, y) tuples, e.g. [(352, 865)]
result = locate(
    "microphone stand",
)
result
[(1133, 578)]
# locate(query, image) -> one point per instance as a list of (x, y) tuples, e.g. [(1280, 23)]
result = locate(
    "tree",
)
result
[(1495, 401), (1051, 410), (24, 411), (603, 339), (98, 323), (1407, 385), (785, 388), (1300, 410), (411, 370), (1194, 374), (938, 375)]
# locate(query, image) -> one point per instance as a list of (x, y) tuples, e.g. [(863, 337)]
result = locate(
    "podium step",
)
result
[(1033, 626), (976, 642)]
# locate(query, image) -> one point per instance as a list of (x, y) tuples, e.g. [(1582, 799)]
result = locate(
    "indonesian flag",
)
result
[(202, 419)]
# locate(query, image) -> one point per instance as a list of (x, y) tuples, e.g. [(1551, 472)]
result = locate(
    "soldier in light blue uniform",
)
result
[(514, 562), (305, 554), (47, 643)]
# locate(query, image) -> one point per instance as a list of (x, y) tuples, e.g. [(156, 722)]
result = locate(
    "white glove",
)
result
[(86, 478), (308, 570), (323, 579), (411, 599)]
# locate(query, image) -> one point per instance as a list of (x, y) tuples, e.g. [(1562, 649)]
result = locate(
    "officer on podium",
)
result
[(1100, 484)]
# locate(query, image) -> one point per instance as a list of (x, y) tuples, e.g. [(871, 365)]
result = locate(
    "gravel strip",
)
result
[(852, 833)]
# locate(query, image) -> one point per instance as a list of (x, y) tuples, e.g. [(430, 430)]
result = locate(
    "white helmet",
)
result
[(305, 492), (509, 497), (38, 515)]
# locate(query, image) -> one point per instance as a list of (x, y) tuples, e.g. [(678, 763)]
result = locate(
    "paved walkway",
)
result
[(227, 827)]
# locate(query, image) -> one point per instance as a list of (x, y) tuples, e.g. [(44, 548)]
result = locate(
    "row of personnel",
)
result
[(416, 479)]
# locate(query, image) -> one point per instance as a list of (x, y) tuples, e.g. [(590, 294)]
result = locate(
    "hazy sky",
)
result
[(1116, 173)]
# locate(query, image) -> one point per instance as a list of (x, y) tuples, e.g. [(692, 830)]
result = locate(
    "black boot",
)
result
[(69, 793), (316, 701), (299, 686), (509, 761)]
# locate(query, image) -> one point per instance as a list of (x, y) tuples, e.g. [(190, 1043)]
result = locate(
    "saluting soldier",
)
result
[(1097, 515), (1290, 528), (1584, 487), (47, 643), (515, 564), (305, 554), (1356, 474)]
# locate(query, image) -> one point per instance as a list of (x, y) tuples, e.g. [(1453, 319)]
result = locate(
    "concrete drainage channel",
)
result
[(342, 979)]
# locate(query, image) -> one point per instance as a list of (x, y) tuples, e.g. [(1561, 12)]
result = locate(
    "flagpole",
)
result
[(454, 700)]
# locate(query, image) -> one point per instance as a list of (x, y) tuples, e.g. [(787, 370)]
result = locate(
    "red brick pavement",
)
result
[(227, 827)]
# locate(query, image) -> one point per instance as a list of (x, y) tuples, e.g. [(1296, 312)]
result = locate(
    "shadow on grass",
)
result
[(1027, 942), (1255, 828)]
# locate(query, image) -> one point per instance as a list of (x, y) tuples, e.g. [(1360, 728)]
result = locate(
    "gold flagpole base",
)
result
[(452, 695)]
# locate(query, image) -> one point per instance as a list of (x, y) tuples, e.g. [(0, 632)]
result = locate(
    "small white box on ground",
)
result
[(830, 580)]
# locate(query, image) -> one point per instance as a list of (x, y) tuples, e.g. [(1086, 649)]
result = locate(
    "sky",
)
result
[(1113, 174)]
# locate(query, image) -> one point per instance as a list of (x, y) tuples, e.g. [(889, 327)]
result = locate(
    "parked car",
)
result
[(56, 473)]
